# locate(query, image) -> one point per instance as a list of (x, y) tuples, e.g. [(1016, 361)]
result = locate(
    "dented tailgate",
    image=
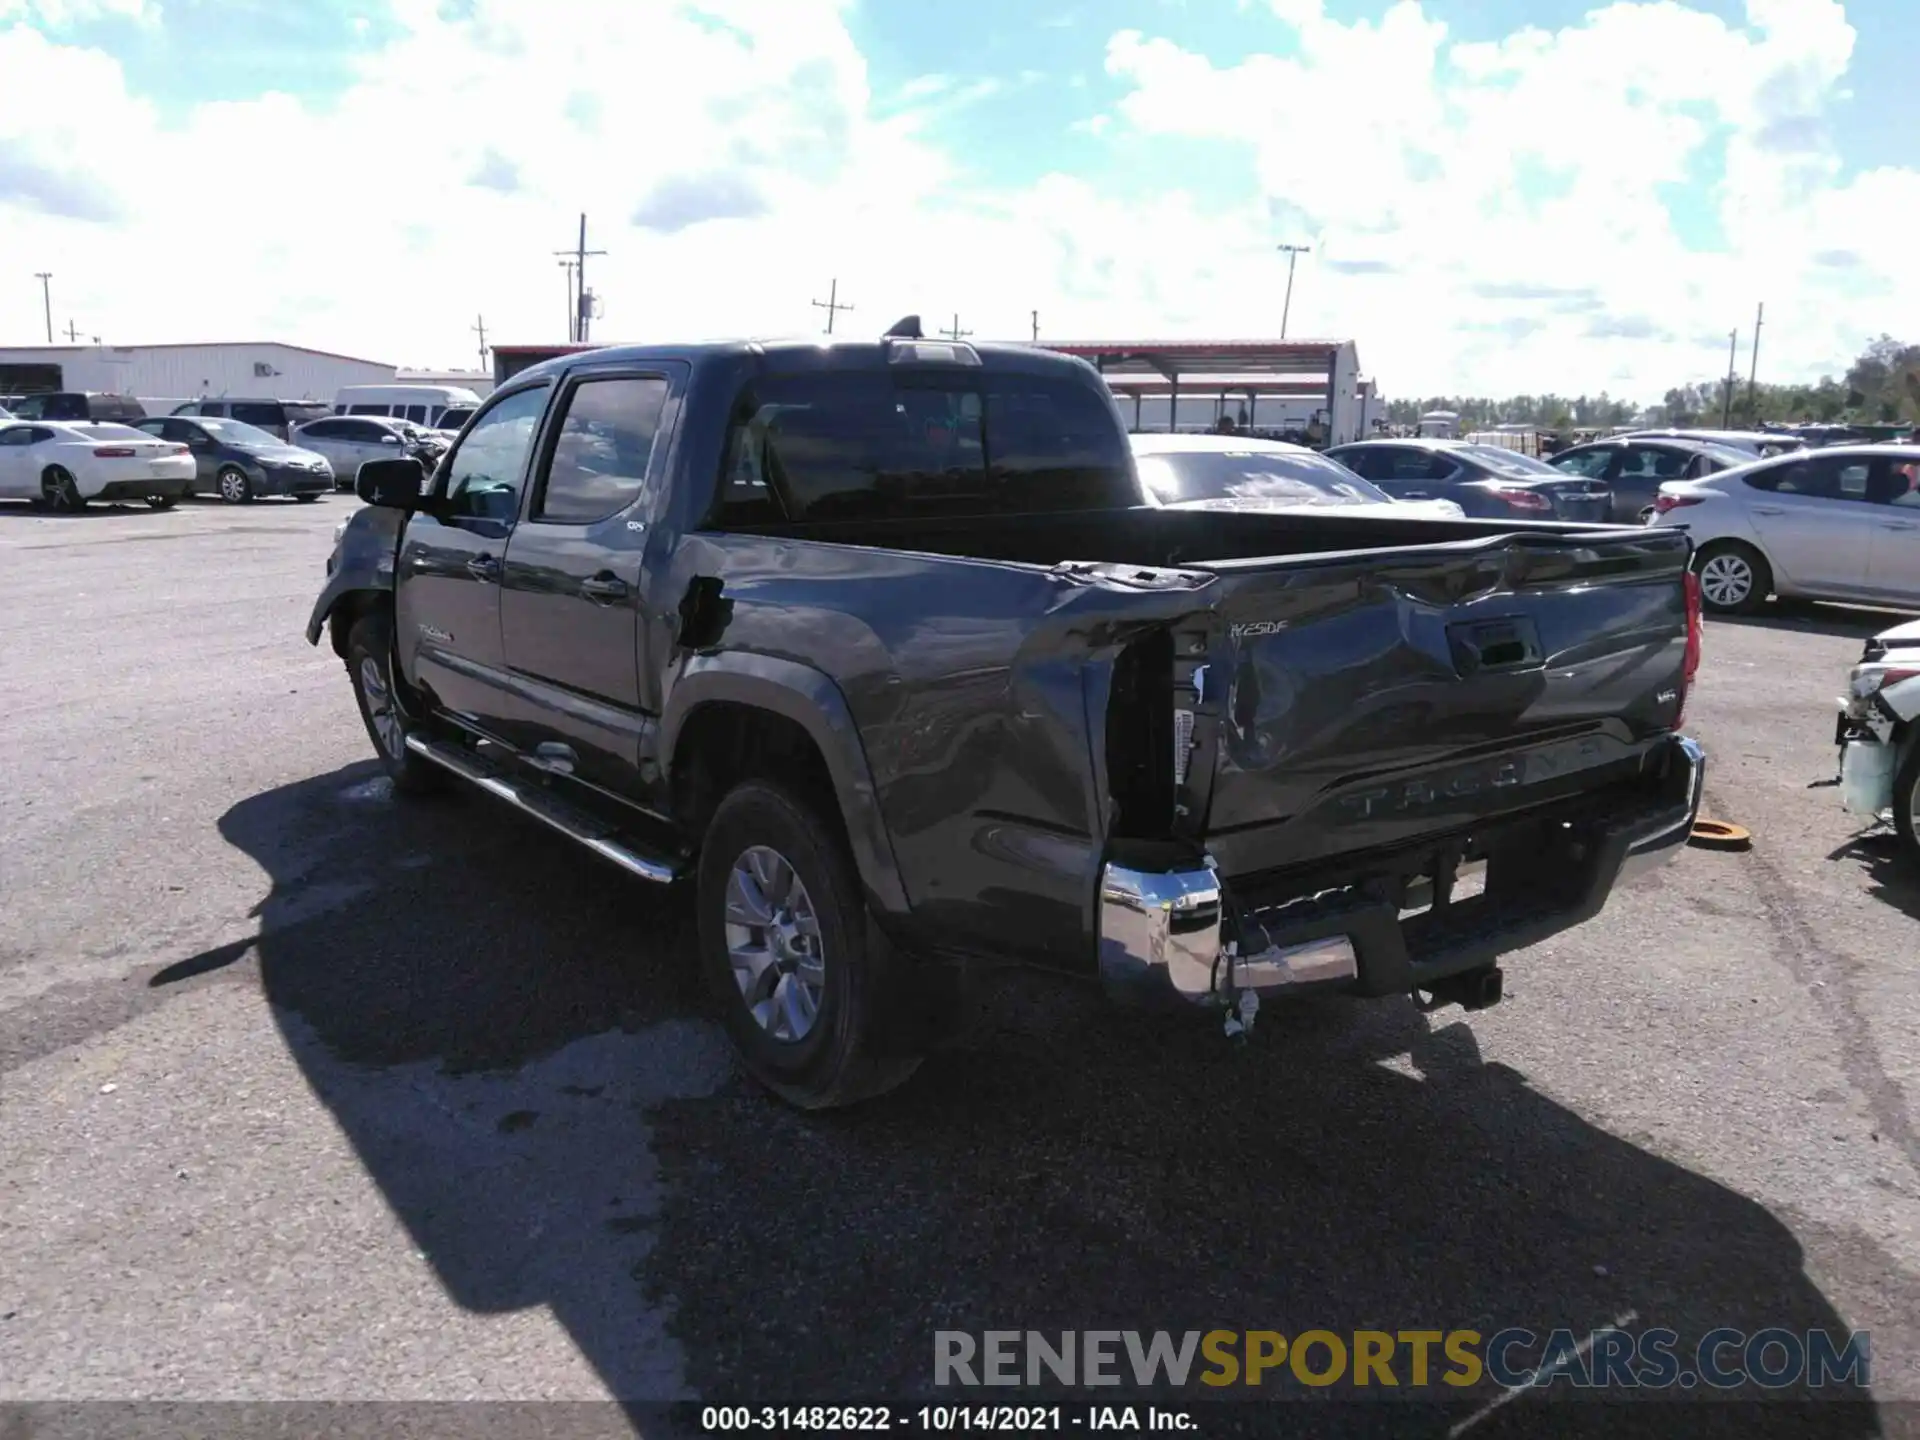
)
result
[(1355, 701)]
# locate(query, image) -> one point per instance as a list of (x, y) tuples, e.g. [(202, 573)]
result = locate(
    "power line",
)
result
[(831, 304), (480, 329), (581, 303), (46, 299), (1293, 253), (954, 332)]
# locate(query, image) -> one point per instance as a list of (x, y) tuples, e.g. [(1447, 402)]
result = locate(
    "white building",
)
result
[(161, 374)]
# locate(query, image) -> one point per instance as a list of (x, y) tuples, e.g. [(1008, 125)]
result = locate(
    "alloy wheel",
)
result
[(774, 945), (387, 723)]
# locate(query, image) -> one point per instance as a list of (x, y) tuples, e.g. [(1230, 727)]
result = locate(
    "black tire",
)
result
[(370, 643), (1719, 564), (232, 485), (306, 499), (1906, 800), (59, 491), (162, 502), (847, 1055)]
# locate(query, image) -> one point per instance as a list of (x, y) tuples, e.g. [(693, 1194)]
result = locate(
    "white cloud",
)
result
[(58, 14), (733, 165)]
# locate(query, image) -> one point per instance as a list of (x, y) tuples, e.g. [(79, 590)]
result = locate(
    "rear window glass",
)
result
[(876, 444), (256, 414), (1256, 476), (1509, 462)]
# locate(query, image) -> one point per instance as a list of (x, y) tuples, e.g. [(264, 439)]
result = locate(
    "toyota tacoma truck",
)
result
[(875, 645)]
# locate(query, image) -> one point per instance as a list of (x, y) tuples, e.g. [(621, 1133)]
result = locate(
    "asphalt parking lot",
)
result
[(309, 1094)]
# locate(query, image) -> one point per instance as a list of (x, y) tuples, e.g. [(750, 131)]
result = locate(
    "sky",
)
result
[(1498, 196)]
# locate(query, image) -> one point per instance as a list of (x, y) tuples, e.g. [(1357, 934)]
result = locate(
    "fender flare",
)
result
[(810, 699)]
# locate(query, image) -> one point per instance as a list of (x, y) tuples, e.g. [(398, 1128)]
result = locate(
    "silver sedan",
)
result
[(1840, 523)]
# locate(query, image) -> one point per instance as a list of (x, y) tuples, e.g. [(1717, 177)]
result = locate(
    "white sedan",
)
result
[(63, 465), (1235, 472), (1838, 523)]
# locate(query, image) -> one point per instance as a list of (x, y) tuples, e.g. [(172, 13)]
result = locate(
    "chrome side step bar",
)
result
[(575, 824)]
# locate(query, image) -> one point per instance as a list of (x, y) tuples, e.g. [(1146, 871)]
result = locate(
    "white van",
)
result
[(422, 404)]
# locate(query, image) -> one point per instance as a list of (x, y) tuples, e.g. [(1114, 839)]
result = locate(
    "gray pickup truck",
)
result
[(876, 644)]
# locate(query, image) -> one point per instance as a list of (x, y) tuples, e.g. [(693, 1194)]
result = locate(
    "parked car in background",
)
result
[(1233, 472), (1760, 444), (64, 465), (1878, 732), (422, 404), (239, 462), (1634, 468), (78, 406), (1485, 482), (277, 417), (1838, 523), (453, 417), (349, 441)]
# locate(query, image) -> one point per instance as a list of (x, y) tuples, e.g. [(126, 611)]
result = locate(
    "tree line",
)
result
[(1881, 387)]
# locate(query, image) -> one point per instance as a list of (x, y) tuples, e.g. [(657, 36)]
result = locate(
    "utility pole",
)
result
[(1036, 327), (1293, 253), (954, 332), (831, 304), (480, 329), (1726, 410), (73, 332), (46, 299), (581, 303), (1753, 375)]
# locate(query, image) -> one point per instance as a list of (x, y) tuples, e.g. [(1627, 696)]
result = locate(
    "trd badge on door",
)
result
[(438, 636)]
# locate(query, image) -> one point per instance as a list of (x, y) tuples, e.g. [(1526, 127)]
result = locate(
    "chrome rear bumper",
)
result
[(1166, 933)]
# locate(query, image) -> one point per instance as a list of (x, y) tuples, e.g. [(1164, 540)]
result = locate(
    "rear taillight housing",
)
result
[(1522, 499), (115, 452), (1663, 503), (1690, 664)]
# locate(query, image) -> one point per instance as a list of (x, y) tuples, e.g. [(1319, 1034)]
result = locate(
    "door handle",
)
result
[(604, 589), (484, 567), (1902, 525)]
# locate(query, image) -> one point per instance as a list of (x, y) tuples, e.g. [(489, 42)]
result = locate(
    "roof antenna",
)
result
[(905, 328)]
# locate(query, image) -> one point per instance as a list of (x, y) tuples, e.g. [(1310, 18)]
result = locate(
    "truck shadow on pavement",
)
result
[(512, 1036)]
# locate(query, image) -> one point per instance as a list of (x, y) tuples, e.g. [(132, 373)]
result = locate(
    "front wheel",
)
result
[(785, 941), (235, 488), (370, 667), (1906, 802), (1734, 578)]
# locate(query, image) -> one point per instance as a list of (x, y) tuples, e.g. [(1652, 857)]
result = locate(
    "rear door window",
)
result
[(214, 407), (368, 409), (604, 446), (1587, 464), (874, 444), (256, 414), (1652, 462)]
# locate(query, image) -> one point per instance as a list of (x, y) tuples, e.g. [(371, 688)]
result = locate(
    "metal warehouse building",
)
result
[(264, 370)]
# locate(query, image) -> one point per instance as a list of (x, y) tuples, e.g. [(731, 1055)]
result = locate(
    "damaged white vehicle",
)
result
[(1878, 733)]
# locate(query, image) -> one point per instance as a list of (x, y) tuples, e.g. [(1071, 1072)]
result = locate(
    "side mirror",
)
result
[(389, 439), (391, 484)]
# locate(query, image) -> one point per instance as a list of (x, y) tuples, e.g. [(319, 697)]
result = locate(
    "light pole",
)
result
[(1293, 253), (46, 299)]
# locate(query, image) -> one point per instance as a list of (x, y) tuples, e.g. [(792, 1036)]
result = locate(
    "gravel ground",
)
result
[(310, 1095)]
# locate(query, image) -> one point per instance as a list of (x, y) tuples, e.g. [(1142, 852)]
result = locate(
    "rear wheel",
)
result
[(60, 491), (370, 667), (1734, 579), (799, 972), (235, 488)]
